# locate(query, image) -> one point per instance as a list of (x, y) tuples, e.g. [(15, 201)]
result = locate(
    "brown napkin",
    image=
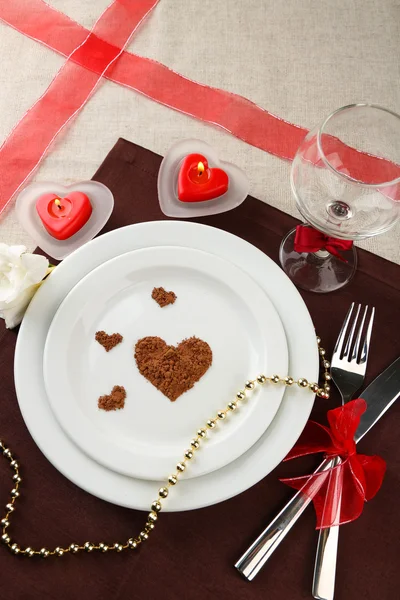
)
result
[(191, 555)]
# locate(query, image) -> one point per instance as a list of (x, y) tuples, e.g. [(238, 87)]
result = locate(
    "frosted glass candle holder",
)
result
[(167, 183), (102, 202)]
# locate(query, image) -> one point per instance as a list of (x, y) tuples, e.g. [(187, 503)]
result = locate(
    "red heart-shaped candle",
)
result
[(63, 217), (197, 182)]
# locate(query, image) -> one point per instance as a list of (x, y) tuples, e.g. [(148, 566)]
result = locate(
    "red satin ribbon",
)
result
[(339, 493), (308, 239), (24, 148)]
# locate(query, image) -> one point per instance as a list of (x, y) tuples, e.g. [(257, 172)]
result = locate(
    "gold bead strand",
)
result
[(10, 507), (173, 479), (323, 392)]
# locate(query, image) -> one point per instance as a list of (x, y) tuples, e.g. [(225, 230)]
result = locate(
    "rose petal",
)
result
[(19, 270), (7, 291), (35, 266), (15, 311), (7, 250)]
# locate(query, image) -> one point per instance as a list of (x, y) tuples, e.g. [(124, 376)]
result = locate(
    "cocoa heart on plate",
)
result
[(113, 401), (173, 369), (108, 341)]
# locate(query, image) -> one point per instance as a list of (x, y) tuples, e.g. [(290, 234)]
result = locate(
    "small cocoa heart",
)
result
[(113, 401), (108, 341), (162, 297), (173, 370)]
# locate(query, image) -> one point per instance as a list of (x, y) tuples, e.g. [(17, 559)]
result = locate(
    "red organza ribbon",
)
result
[(70, 89), (308, 239), (339, 493), (28, 143)]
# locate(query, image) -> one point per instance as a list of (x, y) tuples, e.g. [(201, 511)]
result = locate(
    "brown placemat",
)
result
[(191, 555)]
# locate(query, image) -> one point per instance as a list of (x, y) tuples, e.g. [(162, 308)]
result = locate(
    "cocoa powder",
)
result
[(108, 341), (173, 370), (162, 297), (113, 401)]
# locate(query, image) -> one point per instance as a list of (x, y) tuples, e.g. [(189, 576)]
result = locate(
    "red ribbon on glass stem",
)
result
[(338, 494), (308, 239)]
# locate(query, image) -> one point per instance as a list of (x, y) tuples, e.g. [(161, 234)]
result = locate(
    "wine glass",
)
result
[(346, 181)]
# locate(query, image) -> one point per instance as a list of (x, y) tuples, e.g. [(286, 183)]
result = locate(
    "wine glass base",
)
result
[(320, 271)]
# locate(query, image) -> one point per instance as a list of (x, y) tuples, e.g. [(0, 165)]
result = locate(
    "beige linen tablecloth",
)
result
[(299, 59)]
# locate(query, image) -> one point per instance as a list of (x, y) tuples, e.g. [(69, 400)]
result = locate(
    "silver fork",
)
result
[(252, 561), (348, 366)]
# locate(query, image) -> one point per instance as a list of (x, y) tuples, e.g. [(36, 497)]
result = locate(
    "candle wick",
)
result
[(57, 202)]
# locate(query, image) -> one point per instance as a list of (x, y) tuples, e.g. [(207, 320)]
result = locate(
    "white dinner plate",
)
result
[(216, 302), (198, 492)]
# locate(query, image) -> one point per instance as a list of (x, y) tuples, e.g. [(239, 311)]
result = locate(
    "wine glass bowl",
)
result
[(345, 178)]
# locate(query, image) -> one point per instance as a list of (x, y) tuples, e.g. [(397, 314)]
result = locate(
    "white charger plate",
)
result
[(217, 302), (215, 487)]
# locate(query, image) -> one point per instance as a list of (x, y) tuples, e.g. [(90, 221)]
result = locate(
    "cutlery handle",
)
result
[(323, 587), (259, 552)]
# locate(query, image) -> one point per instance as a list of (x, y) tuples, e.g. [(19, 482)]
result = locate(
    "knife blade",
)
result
[(379, 396)]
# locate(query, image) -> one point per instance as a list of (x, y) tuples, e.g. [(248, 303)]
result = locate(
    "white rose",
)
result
[(20, 276)]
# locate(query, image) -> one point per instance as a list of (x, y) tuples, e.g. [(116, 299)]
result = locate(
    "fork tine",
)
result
[(365, 350), (357, 344), (340, 341), (351, 335)]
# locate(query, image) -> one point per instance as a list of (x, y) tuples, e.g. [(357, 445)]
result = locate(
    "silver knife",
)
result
[(324, 575), (379, 396)]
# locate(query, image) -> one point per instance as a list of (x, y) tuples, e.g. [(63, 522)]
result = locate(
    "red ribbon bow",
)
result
[(308, 239), (339, 493)]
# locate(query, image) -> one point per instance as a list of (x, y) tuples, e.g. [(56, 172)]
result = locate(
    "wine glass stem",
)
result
[(321, 253)]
